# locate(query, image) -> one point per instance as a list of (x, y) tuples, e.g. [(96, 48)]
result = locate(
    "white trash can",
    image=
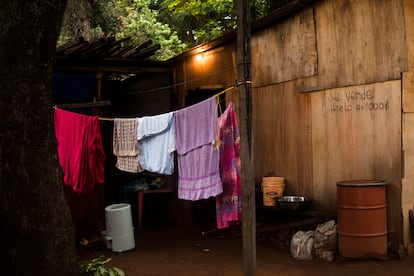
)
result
[(119, 229)]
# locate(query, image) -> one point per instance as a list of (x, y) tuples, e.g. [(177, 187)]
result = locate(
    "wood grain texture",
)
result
[(408, 91), (409, 30), (285, 53), (358, 42), (407, 189), (356, 134), (209, 70), (282, 136), (350, 54)]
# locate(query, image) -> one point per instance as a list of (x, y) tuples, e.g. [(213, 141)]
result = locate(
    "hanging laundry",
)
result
[(125, 145), (156, 143), (229, 203), (198, 158), (80, 150)]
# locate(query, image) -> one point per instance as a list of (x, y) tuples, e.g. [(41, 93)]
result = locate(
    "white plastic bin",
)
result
[(119, 229)]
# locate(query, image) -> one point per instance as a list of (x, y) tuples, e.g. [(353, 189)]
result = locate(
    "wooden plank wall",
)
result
[(408, 131), (407, 186), (359, 41), (215, 69), (301, 136), (350, 54), (282, 136), (356, 134), (286, 52), (316, 139)]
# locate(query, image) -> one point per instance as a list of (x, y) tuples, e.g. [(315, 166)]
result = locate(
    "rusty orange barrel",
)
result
[(362, 218)]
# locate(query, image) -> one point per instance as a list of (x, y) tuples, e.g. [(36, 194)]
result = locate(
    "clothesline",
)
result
[(233, 87), (207, 149), (228, 89), (182, 83)]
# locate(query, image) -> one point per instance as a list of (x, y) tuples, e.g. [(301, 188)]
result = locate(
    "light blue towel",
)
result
[(156, 143)]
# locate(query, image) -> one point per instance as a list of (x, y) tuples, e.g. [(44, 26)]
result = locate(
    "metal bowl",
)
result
[(294, 203)]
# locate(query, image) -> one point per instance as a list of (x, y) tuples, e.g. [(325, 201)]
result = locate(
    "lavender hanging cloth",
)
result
[(197, 154)]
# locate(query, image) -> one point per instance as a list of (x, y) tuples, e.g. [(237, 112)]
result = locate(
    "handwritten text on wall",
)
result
[(357, 99)]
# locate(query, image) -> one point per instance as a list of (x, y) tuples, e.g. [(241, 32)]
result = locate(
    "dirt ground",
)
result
[(186, 250)]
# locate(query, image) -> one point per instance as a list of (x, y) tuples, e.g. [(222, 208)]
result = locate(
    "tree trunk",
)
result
[(37, 235)]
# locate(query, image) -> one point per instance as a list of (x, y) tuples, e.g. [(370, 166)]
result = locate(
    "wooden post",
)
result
[(246, 137), (99, 75)]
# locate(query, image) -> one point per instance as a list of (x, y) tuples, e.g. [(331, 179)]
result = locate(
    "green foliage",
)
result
[(175, 25), (97, 267), (121, 18), (139, 22), (198, 21), (104, 15), (259, 8)]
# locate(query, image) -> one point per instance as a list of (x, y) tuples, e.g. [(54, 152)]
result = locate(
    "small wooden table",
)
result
[(141, 194)]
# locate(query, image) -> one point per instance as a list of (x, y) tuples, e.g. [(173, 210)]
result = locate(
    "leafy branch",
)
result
[(97, 267)]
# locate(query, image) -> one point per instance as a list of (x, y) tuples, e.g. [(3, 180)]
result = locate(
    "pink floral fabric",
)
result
[(229, 203)]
